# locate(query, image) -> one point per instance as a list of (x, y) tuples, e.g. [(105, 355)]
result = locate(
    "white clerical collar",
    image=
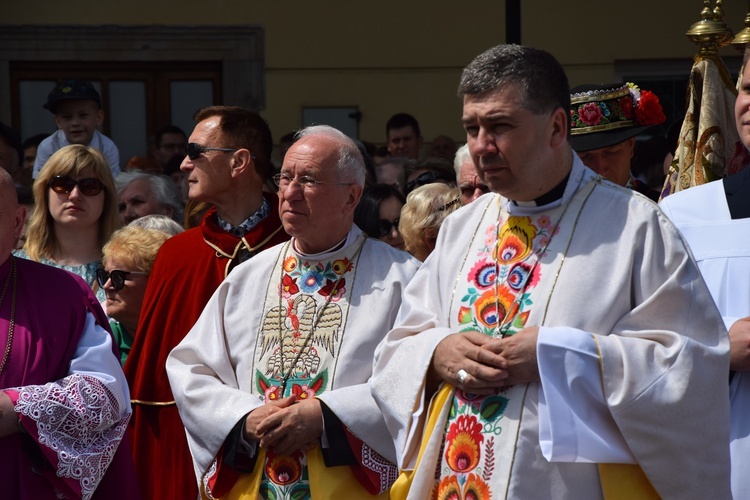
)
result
[(531, 203), (348, 240), (574, 181), (553, 195)]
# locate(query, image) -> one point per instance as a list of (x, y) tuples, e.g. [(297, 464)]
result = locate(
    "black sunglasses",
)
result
[(62, 184), (117, 277), (194, 151), (385, 227)]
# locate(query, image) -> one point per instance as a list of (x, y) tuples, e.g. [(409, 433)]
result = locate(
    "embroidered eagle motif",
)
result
[(294, 325)]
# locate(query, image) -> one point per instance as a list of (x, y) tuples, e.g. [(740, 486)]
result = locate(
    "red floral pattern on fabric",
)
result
[(649, 110), (590, 113), (475, 488), (284, 469), (463, 443), (447, 489)]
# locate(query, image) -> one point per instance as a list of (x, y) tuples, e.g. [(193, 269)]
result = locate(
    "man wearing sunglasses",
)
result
[(64, 403), (227, 162), (271, 382)]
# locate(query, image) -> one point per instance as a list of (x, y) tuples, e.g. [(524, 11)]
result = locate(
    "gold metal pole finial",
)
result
[(710, 33), (743, 37)]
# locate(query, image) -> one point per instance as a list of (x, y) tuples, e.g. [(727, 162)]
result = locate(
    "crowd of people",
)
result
[(513, 317)]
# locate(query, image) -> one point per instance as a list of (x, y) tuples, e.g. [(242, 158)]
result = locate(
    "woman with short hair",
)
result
[(426, 208), (128, 258)]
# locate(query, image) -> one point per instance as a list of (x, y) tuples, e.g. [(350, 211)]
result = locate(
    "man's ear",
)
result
[(19, 221), (99, 117), (241, 161), (355, 193), (559, 127)]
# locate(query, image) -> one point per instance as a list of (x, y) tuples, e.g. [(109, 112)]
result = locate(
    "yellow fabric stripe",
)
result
[(625, 482), (325, 482), (400, 488)]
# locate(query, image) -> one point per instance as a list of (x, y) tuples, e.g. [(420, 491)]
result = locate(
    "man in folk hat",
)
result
[(604, 121)]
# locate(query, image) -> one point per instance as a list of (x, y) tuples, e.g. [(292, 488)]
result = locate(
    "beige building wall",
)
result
[(391, 56)]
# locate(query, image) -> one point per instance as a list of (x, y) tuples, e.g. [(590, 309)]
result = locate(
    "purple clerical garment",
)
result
[(74, 428)]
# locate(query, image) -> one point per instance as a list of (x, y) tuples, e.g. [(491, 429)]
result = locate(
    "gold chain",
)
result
[(9, 344)]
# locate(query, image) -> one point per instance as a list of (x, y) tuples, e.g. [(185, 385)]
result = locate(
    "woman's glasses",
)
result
[(421, 180), (117, 277), (385, 227), (62, 184)]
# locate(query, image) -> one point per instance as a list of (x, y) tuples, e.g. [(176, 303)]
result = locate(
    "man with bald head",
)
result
[(64, 402), (274, 397)]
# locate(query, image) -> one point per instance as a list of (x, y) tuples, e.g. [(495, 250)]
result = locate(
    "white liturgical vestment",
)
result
[(289, 324), (721, 247), (603, 268)]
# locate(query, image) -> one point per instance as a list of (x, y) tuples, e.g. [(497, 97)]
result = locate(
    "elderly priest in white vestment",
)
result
[(559, 342), (271, 382)]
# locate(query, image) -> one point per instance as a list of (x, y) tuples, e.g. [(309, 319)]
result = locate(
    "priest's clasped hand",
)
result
[(258, 415), (479, 364), (519, 352), (295, 425)]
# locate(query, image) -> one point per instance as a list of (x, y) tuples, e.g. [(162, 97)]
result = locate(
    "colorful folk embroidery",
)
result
[(504, 268), (304, 328), (285, 476), (499, 291), (297, 345)]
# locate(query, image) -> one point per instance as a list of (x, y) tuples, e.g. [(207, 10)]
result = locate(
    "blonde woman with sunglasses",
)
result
[(128, 258), (75, 213)]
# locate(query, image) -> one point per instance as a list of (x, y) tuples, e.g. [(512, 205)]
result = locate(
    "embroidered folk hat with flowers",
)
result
[(605, 115)]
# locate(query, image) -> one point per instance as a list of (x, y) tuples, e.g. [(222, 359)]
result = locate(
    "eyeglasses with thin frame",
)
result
[(304, 181), (194, 151), (117, 276), (385, 227), (63, 184)]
